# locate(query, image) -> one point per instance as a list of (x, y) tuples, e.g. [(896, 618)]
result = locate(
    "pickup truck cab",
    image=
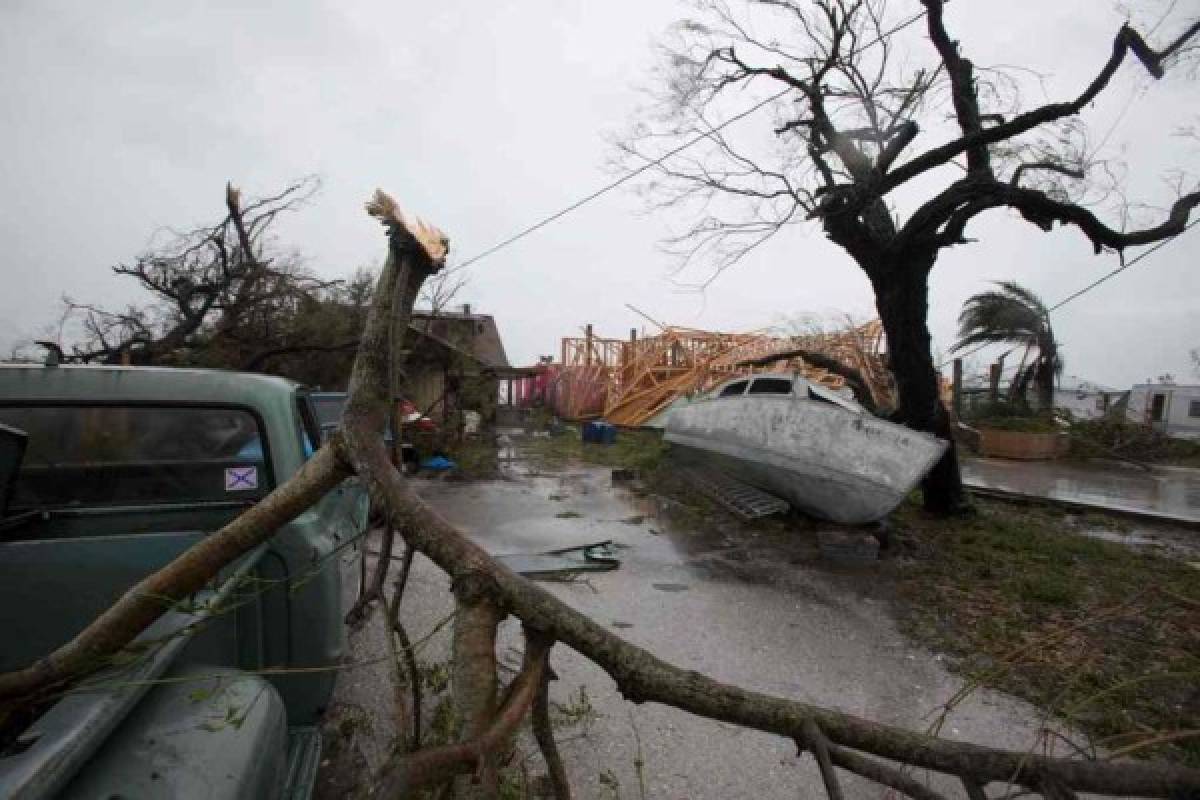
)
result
[(108, 473)]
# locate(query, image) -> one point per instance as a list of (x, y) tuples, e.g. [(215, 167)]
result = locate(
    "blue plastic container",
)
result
[(599, 432)]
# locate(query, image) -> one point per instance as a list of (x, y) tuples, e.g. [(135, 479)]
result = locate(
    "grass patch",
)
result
[(1103, 637), (1109, 438), (578, 710), (642, 450)]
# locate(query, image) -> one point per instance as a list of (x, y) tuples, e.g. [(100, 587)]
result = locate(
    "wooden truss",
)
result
[(628, 382)]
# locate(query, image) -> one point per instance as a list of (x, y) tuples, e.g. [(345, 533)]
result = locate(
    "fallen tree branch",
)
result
[(543, 732), (473, 677), (374, 588), (641, 676), (816, 742), (403, 776), (150, 598), (415, 252), (882, 774), (410, 656), (400, 699)]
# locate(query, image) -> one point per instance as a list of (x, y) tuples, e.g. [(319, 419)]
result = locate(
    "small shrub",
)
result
[(1012, 416), (1109, 437)]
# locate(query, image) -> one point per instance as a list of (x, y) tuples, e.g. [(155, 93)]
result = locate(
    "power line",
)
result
[(1122, 268), (1080, 292), (608, 187)]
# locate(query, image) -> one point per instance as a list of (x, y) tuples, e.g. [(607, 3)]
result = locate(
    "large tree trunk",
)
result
[(902, 298), (1045, 381)]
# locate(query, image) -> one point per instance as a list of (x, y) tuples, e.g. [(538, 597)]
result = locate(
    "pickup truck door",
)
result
[(343, 511)]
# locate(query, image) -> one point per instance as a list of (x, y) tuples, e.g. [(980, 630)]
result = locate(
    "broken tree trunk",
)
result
[(414, 252)]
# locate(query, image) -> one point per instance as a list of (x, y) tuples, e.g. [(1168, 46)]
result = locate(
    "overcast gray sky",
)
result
[(119, 118)]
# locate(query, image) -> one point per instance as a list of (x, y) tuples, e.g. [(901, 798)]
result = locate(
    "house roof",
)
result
[(473, 333), (1073, 383), (1190, 387)]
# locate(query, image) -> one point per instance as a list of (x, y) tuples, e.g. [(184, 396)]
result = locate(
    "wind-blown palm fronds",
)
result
[(1012, 314)]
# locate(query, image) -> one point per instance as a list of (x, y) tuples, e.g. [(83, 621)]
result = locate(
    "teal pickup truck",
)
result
[(107, 474)]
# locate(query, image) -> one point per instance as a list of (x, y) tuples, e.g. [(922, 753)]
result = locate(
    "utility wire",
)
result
[(1080, 292), (608, 187), (1122, 268)]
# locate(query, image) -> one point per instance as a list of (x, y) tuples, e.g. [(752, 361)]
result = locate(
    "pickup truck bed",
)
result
[(106, 475)]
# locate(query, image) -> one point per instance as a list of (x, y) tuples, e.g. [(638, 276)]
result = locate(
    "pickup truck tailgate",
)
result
[(208, 733)]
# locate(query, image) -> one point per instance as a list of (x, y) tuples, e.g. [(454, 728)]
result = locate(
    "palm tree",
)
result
[(1012, 314)]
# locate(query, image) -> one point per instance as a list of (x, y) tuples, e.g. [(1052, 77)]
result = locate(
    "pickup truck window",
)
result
[(136, 455), (306, 426), (328, 407)]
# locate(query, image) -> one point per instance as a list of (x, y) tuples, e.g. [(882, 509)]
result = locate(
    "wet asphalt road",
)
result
[(1170, 493), (760, 611)]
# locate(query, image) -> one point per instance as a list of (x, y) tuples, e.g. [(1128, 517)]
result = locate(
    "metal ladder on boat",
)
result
[(742, 499)]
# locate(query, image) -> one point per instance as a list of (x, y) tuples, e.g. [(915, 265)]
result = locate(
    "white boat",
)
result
[(821, 452)]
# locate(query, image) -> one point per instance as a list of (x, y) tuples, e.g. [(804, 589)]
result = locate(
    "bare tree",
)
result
[(223, 295), (850, 106), (441, 289), (486, 592)]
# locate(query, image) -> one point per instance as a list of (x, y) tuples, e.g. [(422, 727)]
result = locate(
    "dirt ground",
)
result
[(754, 606)]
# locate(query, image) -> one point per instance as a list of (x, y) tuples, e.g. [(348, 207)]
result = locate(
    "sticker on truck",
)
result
[(240, 479)]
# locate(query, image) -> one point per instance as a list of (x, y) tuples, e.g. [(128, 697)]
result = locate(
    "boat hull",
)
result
[(832, 463)]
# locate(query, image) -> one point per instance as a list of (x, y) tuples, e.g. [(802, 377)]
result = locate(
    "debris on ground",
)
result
[(848, 547), (556, 564), (629, 382), (438, 464), (599, 432), (742, 499)]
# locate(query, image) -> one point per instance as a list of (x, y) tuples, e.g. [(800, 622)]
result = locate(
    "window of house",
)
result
[(1194, 408), (733, 389)]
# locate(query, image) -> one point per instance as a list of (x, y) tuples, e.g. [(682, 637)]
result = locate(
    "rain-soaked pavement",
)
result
[(1171, 494), (758, 610)]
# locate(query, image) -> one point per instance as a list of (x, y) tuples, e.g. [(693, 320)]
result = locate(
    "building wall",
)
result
[(1178, 404), (1081, 404), (423, 387)]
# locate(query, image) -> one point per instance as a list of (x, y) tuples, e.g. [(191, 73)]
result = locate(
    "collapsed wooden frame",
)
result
[(486, 591), (628, 382)]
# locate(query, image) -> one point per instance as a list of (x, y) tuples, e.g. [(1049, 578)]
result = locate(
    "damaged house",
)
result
[(455, 361)]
